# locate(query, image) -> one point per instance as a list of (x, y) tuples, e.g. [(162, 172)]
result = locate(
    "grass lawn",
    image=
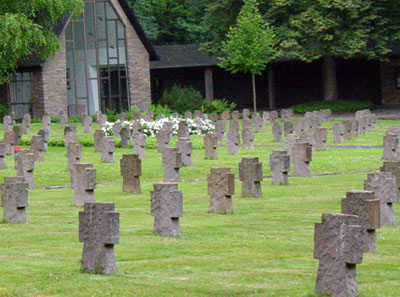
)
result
[(264, 249)]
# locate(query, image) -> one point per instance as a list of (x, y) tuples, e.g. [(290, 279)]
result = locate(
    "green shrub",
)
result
[(36, 121), (74, 119), (217, 106), (160, 109), (129, 114), (335, 106), (182, 99), (55, 119), (112, 115), (3, 111)]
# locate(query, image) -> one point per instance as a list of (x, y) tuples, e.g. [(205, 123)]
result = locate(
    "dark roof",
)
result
[(36, 60), (175, 56)]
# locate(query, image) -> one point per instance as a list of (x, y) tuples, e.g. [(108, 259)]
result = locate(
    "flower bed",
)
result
[(151, 128)]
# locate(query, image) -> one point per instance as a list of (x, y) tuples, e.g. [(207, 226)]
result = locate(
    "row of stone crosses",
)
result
[(167, 201)]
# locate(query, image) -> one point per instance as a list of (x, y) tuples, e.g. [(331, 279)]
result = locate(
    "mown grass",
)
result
[(264, 249)]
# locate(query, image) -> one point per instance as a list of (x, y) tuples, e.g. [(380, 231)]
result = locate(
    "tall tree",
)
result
[(26, 27), (249, 45), (314, 29)]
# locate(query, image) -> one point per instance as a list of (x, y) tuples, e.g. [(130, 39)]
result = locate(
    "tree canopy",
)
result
[(26, 28)]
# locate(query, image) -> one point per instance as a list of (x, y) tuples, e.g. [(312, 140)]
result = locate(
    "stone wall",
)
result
[(37, 104), (54, 79), (138, 64), (390, 95)]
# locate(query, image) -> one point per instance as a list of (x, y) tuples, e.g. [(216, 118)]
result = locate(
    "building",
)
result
[(284, 83), (103, 64)]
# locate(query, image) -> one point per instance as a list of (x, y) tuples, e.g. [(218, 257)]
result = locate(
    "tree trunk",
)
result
[(253, 80), (271, 87), (329, 78)]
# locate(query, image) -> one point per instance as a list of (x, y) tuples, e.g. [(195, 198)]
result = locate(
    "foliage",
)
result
[(3, 111), (112, 115), (55, 119), (182, 99), (171, 21), (160, 109), (128, 114), (250, 44), (27, 27), (337, 106), (74, 119), (217, 106)]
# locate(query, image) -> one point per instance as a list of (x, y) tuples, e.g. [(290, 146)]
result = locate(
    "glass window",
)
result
[(21, 93), (96, 59)]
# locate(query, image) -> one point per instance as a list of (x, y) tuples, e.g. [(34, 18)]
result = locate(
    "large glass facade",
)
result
[(21, 93), (96, 60)]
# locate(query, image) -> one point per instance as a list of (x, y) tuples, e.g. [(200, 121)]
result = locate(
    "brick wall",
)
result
[(37, 104), (390, 95), (138, 64), (55, 81)]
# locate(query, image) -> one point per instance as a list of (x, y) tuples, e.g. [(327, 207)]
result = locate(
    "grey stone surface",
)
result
[(277, 132), (74, 155), (183, 129), (9, 139), (250, 174), (131, 170), (234, 126), (26, 123), (266, 118), (279, 163), (84, 183), (172, 163), (185, 148), (364, 205), (289, 142), (102, 120), (210, 146), (288, 127), (17, 134), (69, 134), (220, 130), (108, 148), (347, 129), (14, 199), (99, 232), (213, 117), (139, 142), (98, 138), (125, 134), (226, 116), (46, 122), (391, 146), (87, 123), (273, 115), (163, 139), (197, 114), (63, 119), (339, 130), (394, 168), (7, 123), (116, 128), (301, 157), (326, 114), (355, 126), (321, 138), (233, 142), (286, 114), (235, 115), (245, 113), (386, 190), (188, 115), (166, 208), (338, 245), (221, 188), (70, 128), (45, 136), (3, 153), (37, 147), (258, 122), (25, 166), (248, 138)]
